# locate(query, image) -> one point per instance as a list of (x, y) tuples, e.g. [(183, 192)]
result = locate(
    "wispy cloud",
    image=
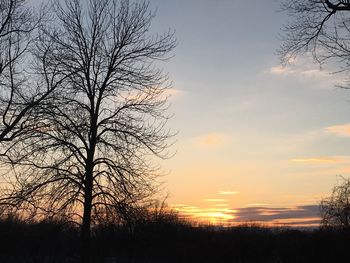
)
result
[(216, 200), (339, 130), (306, 215), (299, 71), (296, 142), (212, 140), (280, 70), (151, 93), (319, 160), (257, 204), (228, 192), (174, 93), (178, 205), (304, 68), (315, 73)]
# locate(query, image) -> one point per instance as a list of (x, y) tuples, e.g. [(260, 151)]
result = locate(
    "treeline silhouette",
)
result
[(169, 239)]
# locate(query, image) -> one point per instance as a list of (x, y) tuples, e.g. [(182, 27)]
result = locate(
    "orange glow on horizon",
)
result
[(221, 215)]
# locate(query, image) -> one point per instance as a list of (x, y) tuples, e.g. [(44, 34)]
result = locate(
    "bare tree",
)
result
[(18, 95), (21, 90), (335, 210), (321, 27), (88, 151)]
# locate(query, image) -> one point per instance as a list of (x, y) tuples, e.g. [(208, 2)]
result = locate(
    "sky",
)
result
[(256, 141)]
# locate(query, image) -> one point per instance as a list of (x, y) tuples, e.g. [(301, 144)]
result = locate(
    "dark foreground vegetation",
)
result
[(170, 242)]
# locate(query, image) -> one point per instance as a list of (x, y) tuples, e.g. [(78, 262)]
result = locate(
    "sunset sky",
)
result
[(257, 141)]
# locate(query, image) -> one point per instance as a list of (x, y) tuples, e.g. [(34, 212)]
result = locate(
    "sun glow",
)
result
[(218, 215), (215, 217)]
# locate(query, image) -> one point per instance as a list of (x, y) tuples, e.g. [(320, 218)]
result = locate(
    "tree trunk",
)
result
[(86, 225), (89, 175)]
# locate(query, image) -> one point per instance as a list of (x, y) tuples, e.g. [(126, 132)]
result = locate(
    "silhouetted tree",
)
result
[(88, 152), (18, 93), (321, 27), (335, 210)]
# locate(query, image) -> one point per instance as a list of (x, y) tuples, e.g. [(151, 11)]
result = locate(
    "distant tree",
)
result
[(320, 27), (87, 154), (335, 210)]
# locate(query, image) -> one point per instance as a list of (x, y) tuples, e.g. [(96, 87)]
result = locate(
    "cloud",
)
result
[(228, 192), (257, 204), (280, 70), (150, 94), (300, 222), (339, 130), (212, 140), (319, 160), (216, 215), (305, 69), (300, 71), (296, 142), (301, 215), (216, 200), (174, 93), (315, 73), (178, 205)]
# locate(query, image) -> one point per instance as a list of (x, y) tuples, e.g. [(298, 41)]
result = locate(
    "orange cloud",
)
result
[(217, 215), (319, 160), (178, 205), (280, 70), (297, 222), (215, 200), (214, 217), (228, 192), (174, 91), (139, 96), (306, 215), (212, 139), (256, 204), (339, 130)]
